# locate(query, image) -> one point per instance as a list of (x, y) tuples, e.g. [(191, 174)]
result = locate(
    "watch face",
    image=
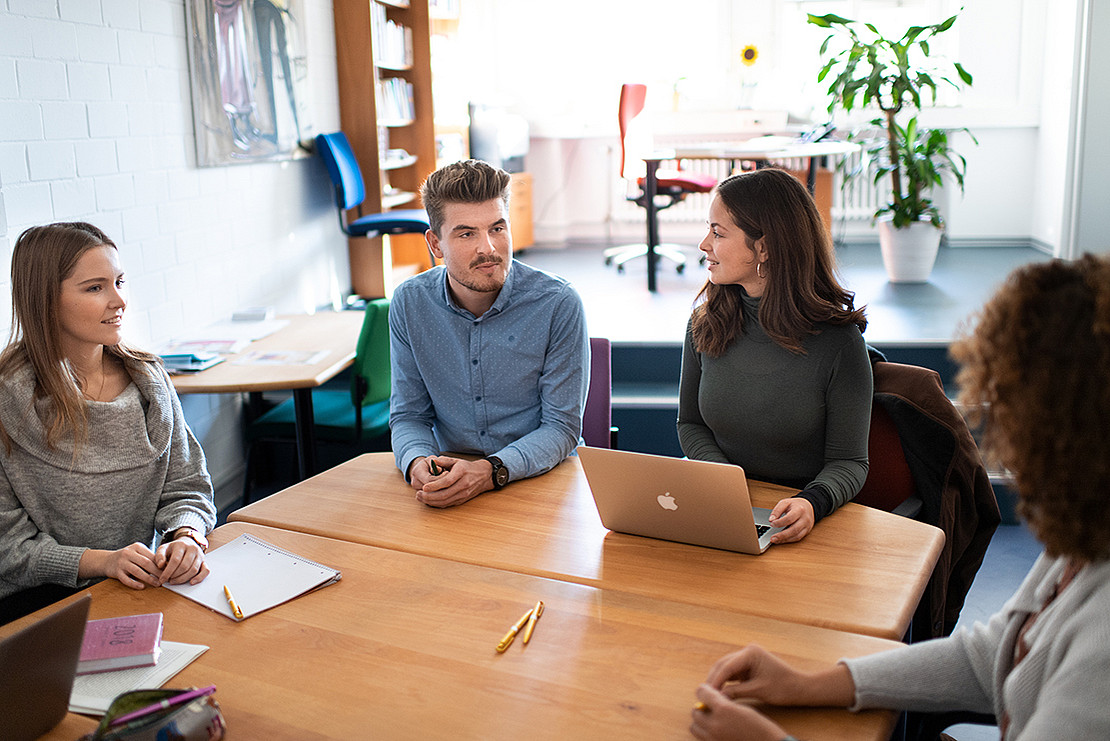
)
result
[(501, 476)]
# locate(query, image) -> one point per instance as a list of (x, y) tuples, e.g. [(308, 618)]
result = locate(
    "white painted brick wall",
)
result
[(96, 124)]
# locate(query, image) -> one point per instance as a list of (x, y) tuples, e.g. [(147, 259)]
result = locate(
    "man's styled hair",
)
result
[(468, 181)]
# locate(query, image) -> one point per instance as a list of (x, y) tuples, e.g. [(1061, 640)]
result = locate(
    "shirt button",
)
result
[(477, 398), (474, 362), (482, 433)]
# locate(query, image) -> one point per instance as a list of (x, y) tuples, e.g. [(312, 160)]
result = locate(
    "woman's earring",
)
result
[(759, 270)]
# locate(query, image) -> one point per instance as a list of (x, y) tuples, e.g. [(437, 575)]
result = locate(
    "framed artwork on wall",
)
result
[(248, 74)]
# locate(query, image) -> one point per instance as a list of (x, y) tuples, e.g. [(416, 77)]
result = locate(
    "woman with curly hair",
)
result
[(99, 474), (1035, 373), (775, 373)]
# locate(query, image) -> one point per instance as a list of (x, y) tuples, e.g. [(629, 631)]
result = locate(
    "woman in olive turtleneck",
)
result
[(775, 374)]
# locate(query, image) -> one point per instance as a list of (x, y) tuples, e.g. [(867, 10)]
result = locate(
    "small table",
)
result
[(402, 647), (752, 150), (335, 332), (861, 570)]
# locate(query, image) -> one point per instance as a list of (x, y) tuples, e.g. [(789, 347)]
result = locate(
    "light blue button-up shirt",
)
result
[(510, 383)]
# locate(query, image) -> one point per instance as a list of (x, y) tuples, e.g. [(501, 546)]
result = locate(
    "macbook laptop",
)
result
[(37, 667), (697, 502)]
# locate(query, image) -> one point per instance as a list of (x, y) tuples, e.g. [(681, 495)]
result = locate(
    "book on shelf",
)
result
[(121, 643)]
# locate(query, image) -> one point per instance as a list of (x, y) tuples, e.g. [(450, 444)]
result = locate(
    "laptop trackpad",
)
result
[(763, 525)]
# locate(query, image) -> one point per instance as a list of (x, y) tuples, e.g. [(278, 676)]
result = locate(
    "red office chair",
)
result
[(673, 186)]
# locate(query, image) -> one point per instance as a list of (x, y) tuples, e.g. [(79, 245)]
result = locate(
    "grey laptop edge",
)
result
[(696, 502), (37, 667)]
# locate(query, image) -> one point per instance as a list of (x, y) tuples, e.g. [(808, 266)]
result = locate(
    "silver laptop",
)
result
[(37, 667), (697, 502)]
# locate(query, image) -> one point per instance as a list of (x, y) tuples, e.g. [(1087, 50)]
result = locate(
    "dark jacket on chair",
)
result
[(950, 480)]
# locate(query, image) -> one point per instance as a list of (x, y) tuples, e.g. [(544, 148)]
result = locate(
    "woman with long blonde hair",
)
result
[(99, 474)]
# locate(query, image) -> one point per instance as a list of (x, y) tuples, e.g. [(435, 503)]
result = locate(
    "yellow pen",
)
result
[(536, 612), (232, 604), (508, 639)]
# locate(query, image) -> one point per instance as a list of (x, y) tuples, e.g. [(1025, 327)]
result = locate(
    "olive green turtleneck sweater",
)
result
[(797, 420)]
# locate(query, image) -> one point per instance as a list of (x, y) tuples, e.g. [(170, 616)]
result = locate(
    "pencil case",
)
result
[(199, 719)]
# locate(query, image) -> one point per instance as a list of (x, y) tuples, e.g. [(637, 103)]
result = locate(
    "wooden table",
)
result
[(755, 149), (335, 332), (860, 570), (403, 647)]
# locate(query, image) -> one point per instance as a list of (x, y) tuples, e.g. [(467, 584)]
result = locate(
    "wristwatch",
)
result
[(191, 534), (500, 473)]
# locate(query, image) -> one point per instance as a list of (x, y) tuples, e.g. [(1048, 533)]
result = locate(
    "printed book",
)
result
[(121, 643)]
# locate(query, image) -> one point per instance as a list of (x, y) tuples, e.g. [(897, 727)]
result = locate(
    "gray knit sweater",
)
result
[(797, 420), (140, 474), (1058, 691)]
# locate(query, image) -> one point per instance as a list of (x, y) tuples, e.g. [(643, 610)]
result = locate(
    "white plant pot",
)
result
[(909, 252)]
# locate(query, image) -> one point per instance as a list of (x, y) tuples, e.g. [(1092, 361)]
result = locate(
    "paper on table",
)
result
[(259, 574), (93, 693), (281, 357), (234, 331)]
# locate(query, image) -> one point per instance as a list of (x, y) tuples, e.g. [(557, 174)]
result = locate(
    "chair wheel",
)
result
[(620, 268), (680, 268), (608, 261)]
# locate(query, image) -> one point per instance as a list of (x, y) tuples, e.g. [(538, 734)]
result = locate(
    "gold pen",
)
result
[(508, 639), (232, 604), (536, 612)]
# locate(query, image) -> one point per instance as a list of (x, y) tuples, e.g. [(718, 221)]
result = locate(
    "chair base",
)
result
[(620, 255)]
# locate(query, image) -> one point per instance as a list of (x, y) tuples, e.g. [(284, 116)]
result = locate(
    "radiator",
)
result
[(856, 203)]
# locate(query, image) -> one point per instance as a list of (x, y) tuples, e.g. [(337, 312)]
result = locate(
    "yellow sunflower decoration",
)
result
[(749, 55)]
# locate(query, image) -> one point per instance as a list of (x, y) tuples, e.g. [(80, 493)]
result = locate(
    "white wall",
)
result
[(564, 74), (1091, 225), (96, 125)]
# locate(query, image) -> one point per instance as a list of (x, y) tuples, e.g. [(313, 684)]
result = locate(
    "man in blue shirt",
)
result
[(490, 357)]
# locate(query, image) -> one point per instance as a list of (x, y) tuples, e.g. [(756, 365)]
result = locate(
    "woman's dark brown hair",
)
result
[(802, 287), (1036, 375)]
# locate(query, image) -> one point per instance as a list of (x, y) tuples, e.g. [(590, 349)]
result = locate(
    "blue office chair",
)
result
[(350, 192)]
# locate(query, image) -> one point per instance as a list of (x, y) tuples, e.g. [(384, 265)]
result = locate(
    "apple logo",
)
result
[(666, 501)]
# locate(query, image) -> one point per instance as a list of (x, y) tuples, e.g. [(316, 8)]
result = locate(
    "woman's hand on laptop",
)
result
[(795, 516)]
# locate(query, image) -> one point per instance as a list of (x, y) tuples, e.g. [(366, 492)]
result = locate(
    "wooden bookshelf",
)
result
[(374, 126)]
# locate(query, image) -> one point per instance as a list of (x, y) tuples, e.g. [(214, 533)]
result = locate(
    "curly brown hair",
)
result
[(802, 286), (1036, 374)]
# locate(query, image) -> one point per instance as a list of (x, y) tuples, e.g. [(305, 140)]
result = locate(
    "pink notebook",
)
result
[(121, 643)]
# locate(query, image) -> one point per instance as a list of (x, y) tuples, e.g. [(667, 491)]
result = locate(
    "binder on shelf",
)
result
[(258, 574)]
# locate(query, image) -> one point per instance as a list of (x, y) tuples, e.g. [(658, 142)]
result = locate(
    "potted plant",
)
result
[(894, 75)]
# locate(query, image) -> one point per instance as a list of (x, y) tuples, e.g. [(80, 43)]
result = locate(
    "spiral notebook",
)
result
[(259, 576)]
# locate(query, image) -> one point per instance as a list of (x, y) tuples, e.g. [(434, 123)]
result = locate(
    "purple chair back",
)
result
[(597, 419)]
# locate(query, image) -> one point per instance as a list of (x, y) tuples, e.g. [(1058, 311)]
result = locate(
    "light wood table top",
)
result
[(403, 647), (860, 570), (333, 331)]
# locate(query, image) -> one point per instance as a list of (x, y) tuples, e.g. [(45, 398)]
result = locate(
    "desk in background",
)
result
[(334, 332), (860, 570), (754, 149), (403, 647)]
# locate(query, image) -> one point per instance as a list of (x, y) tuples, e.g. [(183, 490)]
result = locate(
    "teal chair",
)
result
[(358, 416)]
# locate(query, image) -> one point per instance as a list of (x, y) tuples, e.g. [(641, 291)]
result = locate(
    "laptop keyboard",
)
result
[(760, 529)]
